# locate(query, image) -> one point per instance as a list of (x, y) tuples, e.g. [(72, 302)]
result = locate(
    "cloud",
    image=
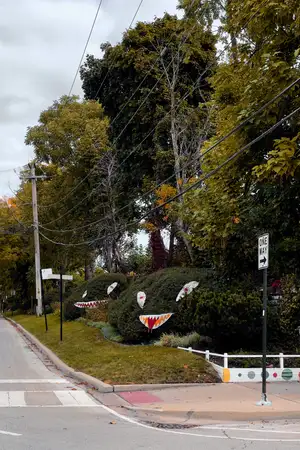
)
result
[(41, 42)]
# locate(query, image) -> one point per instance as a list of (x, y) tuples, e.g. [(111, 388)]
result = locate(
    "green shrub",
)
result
[(231, 319), (108, 331), (175, 340), (97, 287), (96, 290), (161, 290)]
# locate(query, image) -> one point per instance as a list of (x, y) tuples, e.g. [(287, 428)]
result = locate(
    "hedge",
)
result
[(96, 290), (161, 290)]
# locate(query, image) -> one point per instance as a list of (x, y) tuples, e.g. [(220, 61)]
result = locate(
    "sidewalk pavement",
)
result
[(209, 403)]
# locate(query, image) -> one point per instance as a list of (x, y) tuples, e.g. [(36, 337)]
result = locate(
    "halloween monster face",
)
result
[(153, 321)]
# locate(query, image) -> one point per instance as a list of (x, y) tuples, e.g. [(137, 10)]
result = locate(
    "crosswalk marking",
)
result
[(66, 399), (16, 398), (4, 400)]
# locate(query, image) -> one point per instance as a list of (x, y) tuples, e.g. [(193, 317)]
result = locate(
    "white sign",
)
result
[(263, 251), (46, 273)]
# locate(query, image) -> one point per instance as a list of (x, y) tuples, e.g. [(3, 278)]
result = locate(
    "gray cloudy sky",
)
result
[(41, 42)]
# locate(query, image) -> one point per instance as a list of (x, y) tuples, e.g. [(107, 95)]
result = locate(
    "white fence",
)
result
[(232, 374)]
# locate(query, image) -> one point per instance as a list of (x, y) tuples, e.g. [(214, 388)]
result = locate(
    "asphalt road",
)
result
[(41, 410)]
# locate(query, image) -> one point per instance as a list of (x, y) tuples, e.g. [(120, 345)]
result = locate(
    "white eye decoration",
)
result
[(187, 289), (141, 298), (111, 288), (84, 294)]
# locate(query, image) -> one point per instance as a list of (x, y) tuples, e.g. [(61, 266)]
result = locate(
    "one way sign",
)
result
[(263, 252)]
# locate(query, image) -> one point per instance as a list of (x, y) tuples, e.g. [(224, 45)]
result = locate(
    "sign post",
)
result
[(43, 301), (263, 264), (48, 275)]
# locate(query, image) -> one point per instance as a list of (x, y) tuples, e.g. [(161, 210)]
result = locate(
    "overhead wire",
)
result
[(93, 168), (183, 192), (187, 94), (201, 156), (109, 68), (86, 45), (114, 143)]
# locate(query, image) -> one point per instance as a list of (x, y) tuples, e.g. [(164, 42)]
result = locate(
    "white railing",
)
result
[(227, 356)]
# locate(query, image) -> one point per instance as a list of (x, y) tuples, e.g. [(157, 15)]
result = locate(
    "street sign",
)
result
[(263, 251), (46, 273)]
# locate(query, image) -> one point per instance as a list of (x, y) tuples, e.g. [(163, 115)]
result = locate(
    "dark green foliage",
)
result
[(231, 319), (96, 290), (161, 289)]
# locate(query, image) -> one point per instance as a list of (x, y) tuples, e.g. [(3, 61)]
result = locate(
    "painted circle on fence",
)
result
[(251, 375), (267, 375), (240, 375), (275, 375), (287, 374)]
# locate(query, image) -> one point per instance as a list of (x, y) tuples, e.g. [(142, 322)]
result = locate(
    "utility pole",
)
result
[(38, 285)]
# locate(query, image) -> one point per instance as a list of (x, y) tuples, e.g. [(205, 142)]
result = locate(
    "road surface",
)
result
[(42, 410)]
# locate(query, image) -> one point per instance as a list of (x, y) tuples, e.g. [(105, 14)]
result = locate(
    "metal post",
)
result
[(281, 361), (61, 303), (264, 336), (225, 360), (39, 307), (43, 301), (264, 399)]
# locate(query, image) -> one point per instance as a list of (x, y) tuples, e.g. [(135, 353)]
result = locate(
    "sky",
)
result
[(41, 43)]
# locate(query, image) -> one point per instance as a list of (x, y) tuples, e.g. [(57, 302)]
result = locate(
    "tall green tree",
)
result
[(153, 86), (71, 145), (249, 196)]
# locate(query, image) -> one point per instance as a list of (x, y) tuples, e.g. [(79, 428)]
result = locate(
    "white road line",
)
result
[(9, 433), (36, 381), (4, 400), (253, 430), (65, 398), (82, 398), (16, 398), (183, 433), (74, 398)]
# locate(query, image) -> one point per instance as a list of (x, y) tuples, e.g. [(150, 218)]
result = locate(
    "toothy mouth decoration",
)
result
[(154, 321), (89, 305)]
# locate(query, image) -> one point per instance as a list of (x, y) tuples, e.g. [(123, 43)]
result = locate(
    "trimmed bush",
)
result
[(175, 340), (96, 290), (161, 290), (231, 319)]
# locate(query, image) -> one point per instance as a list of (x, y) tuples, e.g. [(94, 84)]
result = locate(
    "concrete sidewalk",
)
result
[(209, 403)]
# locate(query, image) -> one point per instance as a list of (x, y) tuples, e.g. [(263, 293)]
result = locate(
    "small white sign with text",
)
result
[(263, 251)]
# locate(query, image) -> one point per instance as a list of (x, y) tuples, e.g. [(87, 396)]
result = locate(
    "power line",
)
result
[(212, 147), (109, 68), (115, 141), (189, 92), (87, 43), (90, 172), (189, 188)]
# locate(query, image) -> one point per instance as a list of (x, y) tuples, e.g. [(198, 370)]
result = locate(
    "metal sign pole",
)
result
[(43, 302), (264, 335), (61, 303), (263, 264)]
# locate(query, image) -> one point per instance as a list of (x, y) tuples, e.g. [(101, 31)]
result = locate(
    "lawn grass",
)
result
[(85, 350)]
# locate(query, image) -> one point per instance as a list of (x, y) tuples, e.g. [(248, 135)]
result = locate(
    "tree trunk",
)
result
[(159, 254), (88, 270), (171, 246)]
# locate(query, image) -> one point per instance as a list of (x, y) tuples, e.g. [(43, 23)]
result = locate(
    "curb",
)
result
[(68, 371), (94, 382), (156, 387), (213, 415)]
